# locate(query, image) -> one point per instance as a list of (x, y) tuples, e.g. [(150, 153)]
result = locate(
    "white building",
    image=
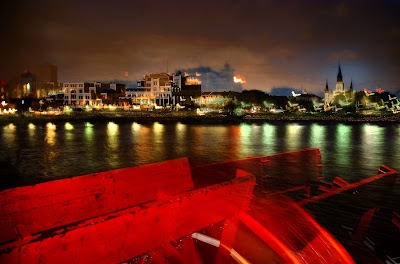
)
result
[(92, 93), (79, 93), (155, 88)]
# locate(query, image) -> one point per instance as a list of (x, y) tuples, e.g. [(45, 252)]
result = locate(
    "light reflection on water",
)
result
[(293, 136), (56, 151), (181, 139), (247, 137), (31, 132), (51, 133), (343, 142), (9, 134), (158, 148), (269, 137), (317, 137), (112, 154)]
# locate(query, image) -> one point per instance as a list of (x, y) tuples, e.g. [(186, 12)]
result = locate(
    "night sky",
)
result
[(270, 43)]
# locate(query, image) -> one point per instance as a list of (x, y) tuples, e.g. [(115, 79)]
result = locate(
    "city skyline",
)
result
[(271, 44)]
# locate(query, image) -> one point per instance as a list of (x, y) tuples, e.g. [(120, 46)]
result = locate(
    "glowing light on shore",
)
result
[(68, 126), (239, 79), (31, 126), (180, 127), (112, 129), (51, 126), (135, 126), (158, 128)]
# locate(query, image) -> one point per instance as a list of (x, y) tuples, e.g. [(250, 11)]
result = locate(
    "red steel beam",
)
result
[(383, 173), (25, 211)]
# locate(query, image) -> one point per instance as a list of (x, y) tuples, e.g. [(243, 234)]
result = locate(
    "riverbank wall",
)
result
[(192, 117)]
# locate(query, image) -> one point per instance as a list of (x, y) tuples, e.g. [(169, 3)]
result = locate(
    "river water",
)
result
[(38, 152), (44, 152)]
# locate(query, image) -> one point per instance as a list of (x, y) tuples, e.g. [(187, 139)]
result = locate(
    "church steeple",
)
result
[(339, 76), (351, 86), (326, 86)]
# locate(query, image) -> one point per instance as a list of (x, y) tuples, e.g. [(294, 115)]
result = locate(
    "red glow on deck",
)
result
[(149, 213)]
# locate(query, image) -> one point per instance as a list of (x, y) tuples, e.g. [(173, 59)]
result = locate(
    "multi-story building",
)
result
[(165, 89), (92, 93), (111, 93), (154, 88), (185, 89), (80, 93), (47, 79), (28, 84)]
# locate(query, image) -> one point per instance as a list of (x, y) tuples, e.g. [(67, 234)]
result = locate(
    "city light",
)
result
[(31, 126), (239, 79), (135, 126), (112, 129), (50, 133), (68, 126), (51, 126)]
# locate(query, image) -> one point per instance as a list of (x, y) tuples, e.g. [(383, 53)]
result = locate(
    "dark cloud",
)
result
[(215, 80), (271, 43)]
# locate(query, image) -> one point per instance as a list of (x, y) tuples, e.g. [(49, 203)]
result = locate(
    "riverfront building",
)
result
[(36, 84), (164, 89), (154, 88), (92, 93), (46, 80), (186, 89)]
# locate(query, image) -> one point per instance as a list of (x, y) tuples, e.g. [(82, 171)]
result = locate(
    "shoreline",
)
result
[(191, 117)]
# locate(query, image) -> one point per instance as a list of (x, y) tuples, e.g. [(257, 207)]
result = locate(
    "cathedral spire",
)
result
[(326, 86), (351, 86), (339, 76)]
